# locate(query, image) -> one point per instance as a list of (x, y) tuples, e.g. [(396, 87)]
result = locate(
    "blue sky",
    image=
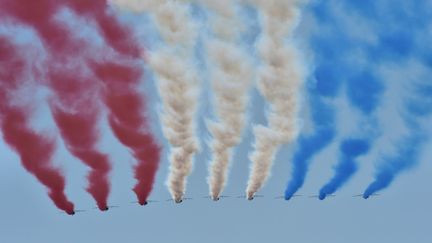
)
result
[(370, 67)]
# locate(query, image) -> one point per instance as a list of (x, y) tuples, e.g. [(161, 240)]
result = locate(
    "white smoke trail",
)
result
[(279, 81), (177, 84), (231, 80)]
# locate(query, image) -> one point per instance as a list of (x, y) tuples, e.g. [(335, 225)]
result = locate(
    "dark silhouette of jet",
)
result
[(283, 197), (250, 198), (319, 197), (107, 208), (216, 199), (71, 213), (145, 202), (179, 200), (366, 197)]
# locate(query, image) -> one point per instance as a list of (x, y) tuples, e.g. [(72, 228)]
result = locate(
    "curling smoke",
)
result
[(231, 81), (76, 110), (76, 114), (177, 84), (178, 89), (120, 79), (126, 106), (35, 150), (323, 118), (364, 92), (127, 121), (350, 149), (417, 108), (279, 82)]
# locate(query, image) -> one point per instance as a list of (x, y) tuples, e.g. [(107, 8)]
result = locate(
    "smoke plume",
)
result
[(76, 113), (120, 79), (177, 84), (364, 92), (126, 106), (231, 81), (350, 149), (417, 108), (308, 145), (127, 121), (280, 79), (34, 149)]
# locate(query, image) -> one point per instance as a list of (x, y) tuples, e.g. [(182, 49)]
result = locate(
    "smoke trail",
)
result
[(323, 118), (279, 82), (128, 122), (350, 149), (76, 114), (407, 157), (364, 92), (231, 81), (113, 32), (126, 105), (178, 89), (120, 79), (35, 150), (179, 98), (408, 148), (177, 84), (322, 89)]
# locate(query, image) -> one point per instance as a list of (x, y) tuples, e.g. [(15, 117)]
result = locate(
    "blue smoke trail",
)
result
[(363, 89), (410, 146), (323, 116), (324, 86), (350, 149), (330, 49), (364, 92), (399, 44)]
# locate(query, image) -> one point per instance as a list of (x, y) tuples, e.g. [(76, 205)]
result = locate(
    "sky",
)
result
[(369, 68)]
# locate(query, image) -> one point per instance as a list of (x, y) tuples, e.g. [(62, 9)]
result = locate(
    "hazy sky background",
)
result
[(389, 39)]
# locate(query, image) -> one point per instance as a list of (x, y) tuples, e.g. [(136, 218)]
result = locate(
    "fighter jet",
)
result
[(216, 199), (71, 213), (320, 197), (107, 208), (283, 197), (366, 197), (250, 198), (145, 202), (179, 200)]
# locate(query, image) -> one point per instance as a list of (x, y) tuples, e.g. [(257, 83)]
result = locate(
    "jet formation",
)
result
[(248, 197)]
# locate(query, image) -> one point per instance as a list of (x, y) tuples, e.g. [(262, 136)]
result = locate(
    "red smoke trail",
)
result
[(79, 129), (115, 34), (128, 122), (124, 103), (73, 107), (35, 150)]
